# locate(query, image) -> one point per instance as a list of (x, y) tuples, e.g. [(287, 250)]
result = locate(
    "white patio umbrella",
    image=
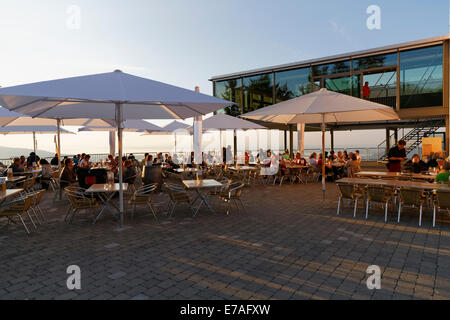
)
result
[(222, 122), (131, 125), (113, 96), (175, 127), (323, 107), (10, 118), (32, 129)]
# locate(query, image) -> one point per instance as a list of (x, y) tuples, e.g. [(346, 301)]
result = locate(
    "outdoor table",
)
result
[(395, 175), (8, 194), (396, 183), (15, 179), (181, 170), (106, 192), (200, 186)]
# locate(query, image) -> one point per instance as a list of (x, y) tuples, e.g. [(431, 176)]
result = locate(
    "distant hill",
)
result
[(8, 152)]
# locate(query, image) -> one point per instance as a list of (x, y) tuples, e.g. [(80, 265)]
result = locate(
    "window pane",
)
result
[(229, 90), (331, 68), (385, 60), (258, 92), (292, 83), (341, 85), (421, 75), (382, 87)]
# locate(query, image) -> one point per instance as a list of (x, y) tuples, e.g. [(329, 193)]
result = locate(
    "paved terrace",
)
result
[(289, 245)]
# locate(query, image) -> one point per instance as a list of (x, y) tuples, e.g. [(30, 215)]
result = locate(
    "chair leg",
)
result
[(153, 211), (41, 213), (36, 216), (356, 205), (386, 211), (434, 216), (399, 211), (23, 222), (242, 204), (29, 216), (339, 205), (367, 209), (420, 216)]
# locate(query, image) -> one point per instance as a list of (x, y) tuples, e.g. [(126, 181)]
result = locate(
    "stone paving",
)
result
[(288, 245)]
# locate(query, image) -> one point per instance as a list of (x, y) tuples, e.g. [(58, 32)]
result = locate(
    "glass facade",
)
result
[(421, 77), (331, 68), (230, 90), (258, 92), (379, 61), (292, 83), (373, 77)]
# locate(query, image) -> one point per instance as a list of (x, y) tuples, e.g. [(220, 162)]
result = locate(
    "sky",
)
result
[(184, 43)]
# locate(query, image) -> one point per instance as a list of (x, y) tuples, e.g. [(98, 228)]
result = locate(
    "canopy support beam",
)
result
[(323, 156)]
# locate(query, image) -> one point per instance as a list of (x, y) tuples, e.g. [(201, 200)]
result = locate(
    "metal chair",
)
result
[(143, 196), (233, 194), (411, 198), (379, 195), (18, 208), (177, 194), (441, 202), (349, 192), (78, 201)]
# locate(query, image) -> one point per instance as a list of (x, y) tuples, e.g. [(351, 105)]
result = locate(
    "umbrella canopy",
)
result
[(174, 127), (323, 106), (95, 96), (11, 118), (114, 96), (31, 129), (222, 121), (128, 125)]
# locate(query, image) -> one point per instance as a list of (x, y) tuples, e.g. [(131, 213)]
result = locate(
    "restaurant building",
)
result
[(412, 78)]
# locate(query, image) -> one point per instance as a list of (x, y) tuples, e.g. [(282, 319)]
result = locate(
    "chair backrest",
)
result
[(376, 193), (25, 183), (347, 191), (39, 196), (236, 191), (28, 202), (411, 196), (443, 199)]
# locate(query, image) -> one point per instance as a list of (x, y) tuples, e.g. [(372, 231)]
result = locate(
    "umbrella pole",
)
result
[(34, 142), (119, 138), (323, 156), (58, 133), (175, 140)]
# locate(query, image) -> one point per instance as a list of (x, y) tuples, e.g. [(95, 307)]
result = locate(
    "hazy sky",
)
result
[(186, 42)]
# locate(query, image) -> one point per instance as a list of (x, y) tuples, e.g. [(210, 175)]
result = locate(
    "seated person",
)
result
[(432, 160), (85, 163), (352, 165), (54, 161), (299, 160), (415, 165), (286, 155), (129, 172), (68, 175), (33, 158), (313, 159), (172, 164), (47, 173), (17, 166), (444, 175)]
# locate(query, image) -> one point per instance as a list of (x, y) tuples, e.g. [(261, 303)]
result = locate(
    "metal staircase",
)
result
[(413, 138)]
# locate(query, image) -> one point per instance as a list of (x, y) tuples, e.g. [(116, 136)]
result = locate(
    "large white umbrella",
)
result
[(114, 96), (32, 129), (323, 107), (175, 127), (131, 125)]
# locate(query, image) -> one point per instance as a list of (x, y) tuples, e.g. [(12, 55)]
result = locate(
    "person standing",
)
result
[(396, 155), (366, 90)]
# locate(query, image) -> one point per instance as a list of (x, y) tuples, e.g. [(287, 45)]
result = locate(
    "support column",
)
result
[(301, 137), (291, 141), (447, 135), (197, 136), (285, 139), (332, 139), (235, 146), (395, 136)]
